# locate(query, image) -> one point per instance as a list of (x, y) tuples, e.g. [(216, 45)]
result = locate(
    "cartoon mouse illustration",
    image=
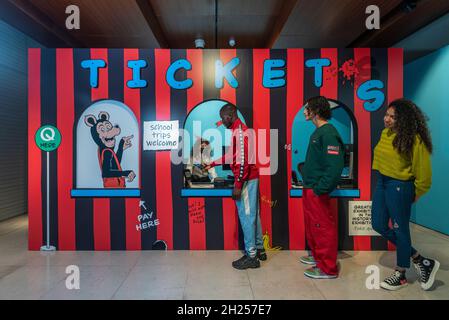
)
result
[(104, 134)]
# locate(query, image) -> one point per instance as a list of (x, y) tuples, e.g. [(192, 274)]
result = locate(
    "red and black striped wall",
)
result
[(59, 91)]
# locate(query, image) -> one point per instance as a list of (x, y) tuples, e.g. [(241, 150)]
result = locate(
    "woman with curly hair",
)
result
[(402, 161)]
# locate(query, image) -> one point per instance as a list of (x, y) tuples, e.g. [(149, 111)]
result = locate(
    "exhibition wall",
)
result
[(95, 97), (426, 83)]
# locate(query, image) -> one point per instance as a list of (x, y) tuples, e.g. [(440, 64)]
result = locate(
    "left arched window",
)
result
[(107, 151)]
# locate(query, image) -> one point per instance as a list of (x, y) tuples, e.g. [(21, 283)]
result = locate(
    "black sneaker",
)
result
[(246, 262), (394, 282), (261, 254), (426, 268)]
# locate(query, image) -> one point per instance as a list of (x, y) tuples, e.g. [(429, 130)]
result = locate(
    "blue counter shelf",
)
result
[(337, 193), (206, 192)]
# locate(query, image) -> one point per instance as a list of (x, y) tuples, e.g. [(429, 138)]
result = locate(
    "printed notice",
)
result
[(160, 135), (360, 219)]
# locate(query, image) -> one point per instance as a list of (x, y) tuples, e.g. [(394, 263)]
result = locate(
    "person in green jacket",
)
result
[(404, 174), (321, 174)]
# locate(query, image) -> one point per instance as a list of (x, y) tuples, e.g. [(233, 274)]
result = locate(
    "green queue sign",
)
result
[(48, 138)]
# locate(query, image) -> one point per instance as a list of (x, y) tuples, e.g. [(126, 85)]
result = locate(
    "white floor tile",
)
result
[(161, 275)]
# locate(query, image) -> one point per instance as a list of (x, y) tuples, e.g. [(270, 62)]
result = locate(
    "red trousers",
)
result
[(321, 230)]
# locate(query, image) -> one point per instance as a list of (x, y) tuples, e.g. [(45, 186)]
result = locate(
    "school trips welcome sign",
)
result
[(100, 100)]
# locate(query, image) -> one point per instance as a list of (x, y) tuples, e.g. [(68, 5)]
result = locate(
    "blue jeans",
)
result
[(393, 200), (248, 209)]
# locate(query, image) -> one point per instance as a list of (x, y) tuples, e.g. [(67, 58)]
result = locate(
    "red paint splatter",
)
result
[(349, 70), (330, 72)]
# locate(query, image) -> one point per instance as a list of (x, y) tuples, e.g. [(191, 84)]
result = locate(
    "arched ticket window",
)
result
[(344, 121), (199, 121), (90, 180)]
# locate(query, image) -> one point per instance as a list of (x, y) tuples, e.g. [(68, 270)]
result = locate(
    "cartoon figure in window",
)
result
[(104, 135), (200, 157)]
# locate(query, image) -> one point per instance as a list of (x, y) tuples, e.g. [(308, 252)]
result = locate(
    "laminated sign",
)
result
[(360, 219)]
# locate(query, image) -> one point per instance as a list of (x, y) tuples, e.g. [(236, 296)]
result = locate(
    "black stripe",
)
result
[(84, 225), (148, 167), (244, 101), (244, 92), (48, 114), (310, 90), (178, 111), (346, 96), (213, 206), (279, 188), (116, 92), (379, 71)]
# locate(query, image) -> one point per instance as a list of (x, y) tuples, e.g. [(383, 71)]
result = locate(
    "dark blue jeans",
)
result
[(393, 200)]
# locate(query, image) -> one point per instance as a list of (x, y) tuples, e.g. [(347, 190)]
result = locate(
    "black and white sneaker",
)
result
[(246, 262), (427, 269), (394, 282), (261, 254)]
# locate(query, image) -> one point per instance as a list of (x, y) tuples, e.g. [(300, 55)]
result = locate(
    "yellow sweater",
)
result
[(390, 163)]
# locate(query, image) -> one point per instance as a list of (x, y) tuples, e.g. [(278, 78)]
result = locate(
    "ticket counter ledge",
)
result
[(205, 193), (105, 193), (337, 193)]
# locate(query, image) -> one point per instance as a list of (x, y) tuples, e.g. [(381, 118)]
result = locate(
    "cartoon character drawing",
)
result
[(104, 135)]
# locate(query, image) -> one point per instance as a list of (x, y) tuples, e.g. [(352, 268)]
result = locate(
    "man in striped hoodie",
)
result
[(246, 186)]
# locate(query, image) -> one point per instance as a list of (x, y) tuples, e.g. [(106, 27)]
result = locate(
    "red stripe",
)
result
[(34, 154), (261, 120), (65, 119), (295, 99), (330, 91), (230, 216), (164, 204), (197, 224), (132, 100), (101, 206), (330, 74), (364, 135), (395, 85)]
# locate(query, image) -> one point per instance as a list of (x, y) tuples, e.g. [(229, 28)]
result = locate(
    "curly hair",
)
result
[(409, 122)]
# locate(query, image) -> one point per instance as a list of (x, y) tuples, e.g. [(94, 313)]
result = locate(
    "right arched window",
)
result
[(344, 121)]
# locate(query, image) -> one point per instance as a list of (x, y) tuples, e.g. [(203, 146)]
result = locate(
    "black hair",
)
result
[(319, 106), (410, 121), (228, 109)]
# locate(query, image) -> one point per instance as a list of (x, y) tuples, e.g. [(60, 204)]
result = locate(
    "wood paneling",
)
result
[(252, 23)]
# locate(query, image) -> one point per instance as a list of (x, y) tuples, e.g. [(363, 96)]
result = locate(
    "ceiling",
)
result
[(252, 23)]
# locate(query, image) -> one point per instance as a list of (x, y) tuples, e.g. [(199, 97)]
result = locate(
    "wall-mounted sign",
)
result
[(360, 219), (274, 76), (160, 135)]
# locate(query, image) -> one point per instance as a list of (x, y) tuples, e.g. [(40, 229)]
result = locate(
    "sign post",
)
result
[(48, 138)]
